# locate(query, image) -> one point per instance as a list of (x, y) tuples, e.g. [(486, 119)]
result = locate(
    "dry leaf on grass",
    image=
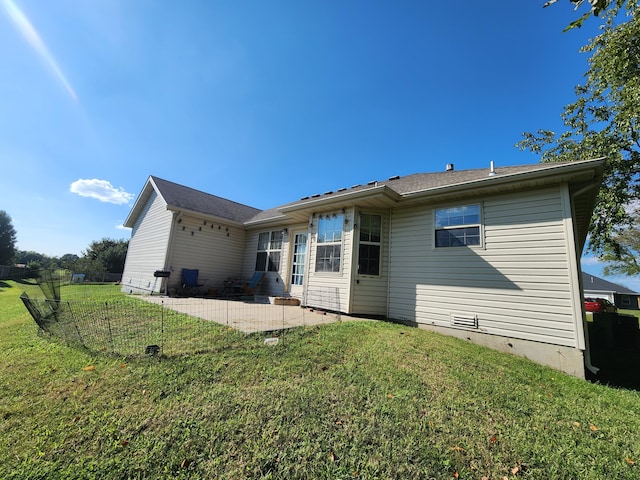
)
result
[(89, 368)]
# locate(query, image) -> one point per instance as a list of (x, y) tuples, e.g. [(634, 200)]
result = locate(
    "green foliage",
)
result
[(625, 260), (35, 260), (7, 239), (68, 261), (596, 8), (102, 256), (106, 255), (603, 122)]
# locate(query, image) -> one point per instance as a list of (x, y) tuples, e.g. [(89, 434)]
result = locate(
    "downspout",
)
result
[(587, 348), (307, 263), (389, 262), (170, 242)]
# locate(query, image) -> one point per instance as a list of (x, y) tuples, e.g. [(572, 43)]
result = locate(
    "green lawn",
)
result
[(635, 313), (360, 400)]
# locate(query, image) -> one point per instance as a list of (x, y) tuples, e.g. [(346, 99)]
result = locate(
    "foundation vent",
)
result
[(466, 320)]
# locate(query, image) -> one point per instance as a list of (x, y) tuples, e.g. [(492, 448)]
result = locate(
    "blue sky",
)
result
[(262, 102)]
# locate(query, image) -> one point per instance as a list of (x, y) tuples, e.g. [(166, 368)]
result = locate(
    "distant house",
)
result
[(490, 255), (620, 296)]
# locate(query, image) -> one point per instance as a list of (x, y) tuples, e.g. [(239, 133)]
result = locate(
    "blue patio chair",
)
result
[(254, 284), (190, 285)]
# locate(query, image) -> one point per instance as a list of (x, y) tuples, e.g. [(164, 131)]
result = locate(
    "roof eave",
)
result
[(215, 218), (561, 173), (348, 196), (378, 195), (140, 202)]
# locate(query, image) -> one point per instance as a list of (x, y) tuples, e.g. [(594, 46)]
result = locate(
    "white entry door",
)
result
[(298, 263)]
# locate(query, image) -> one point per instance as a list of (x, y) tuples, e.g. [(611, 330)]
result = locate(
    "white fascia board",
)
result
[(341, 197), (205, 216), (140, 202), (275, 221)]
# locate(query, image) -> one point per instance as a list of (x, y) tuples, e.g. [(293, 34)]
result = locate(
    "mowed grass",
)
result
[(358, 399)]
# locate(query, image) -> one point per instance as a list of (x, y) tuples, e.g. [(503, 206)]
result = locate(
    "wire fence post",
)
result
[(162, 328), (75, 323), (106, 304)]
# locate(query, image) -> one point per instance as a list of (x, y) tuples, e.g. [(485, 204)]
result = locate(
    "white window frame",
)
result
[(299, 258), (369, 242), (330, 238), (271, 247), (453, 213)]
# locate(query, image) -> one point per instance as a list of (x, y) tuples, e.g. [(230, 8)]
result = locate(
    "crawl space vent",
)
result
[(466, 320)]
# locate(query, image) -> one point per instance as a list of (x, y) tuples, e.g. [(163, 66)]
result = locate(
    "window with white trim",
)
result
[(369, 250), (457, 226), (329, 248), (269, 251)]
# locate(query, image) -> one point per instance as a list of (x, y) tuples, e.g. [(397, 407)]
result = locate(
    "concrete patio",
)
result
[(246, 316)]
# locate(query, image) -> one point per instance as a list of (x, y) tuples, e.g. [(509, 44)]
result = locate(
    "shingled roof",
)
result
[(179, 197), (418, 182), (185, 198), (591, 282)]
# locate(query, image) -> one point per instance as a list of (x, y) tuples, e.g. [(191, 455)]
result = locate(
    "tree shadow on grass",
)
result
[(24, 283)]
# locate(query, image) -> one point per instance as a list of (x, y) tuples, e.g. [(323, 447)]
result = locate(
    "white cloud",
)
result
[(122, 227), (632, 283), (101, 190), (590, 261)]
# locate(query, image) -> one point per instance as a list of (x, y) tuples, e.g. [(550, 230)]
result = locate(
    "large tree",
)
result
[(7, 239), (604, 121), (106, 255), (627, 262), (35, 260)]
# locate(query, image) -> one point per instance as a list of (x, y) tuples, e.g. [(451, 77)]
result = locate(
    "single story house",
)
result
[(491, 255), (621, 297)]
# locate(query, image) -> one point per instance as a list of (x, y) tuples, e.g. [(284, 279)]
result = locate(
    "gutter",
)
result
[(179, 210), (587, 345), (342, 197)]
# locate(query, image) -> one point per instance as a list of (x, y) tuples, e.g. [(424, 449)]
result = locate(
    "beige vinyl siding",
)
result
[(331, 291), (216, 252), (518, 284), (369, 293), (147, 247)]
